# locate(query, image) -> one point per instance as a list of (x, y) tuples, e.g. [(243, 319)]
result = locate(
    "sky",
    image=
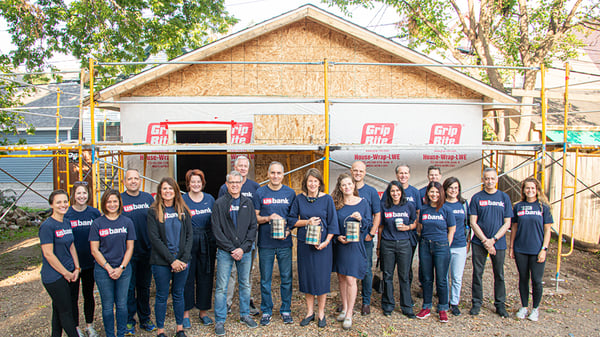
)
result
[(379, 19)]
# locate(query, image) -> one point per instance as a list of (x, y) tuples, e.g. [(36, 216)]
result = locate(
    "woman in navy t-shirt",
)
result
[(171, 236), (80, 216), (530, 236), (60, 266), (458, 250), (437, 226), (199, 285), (112, 237), (395, 249), (349, 257)]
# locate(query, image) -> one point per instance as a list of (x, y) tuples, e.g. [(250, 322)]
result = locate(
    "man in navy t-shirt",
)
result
[(490, 214), (249, 187), (135, 207), (358, 171), (273, 202), (434, 173)]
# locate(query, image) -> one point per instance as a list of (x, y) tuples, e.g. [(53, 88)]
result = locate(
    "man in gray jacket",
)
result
[(234, 227)]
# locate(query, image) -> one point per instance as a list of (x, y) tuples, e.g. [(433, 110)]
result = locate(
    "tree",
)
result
[(10, 95), (500, 32), (108, 31)]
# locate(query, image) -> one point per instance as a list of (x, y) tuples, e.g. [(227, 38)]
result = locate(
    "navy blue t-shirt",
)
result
[(60, 235), (234, 209), (200, 211), (172, 230), (412, 195), (112, 236), (267, 202), (370, 194), (364, 209), (458, 209), (530, 219), (436, 223), (323, 208), (389, 215), (136, 208), (81, 223), (491, 210), (248, 189)]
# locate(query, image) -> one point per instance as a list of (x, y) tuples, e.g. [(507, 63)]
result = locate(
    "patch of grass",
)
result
[(32, 209), (20, 234)]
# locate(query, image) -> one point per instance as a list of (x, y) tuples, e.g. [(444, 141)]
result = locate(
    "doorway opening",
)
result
[(213, 166)]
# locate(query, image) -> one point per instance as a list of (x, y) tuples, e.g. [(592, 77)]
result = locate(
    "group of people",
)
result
[(187, 242)]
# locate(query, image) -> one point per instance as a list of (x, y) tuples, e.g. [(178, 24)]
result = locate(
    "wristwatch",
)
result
[(544, 248), (122, 267)]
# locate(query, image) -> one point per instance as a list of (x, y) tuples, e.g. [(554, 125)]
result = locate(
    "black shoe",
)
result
[(474, 311), (253, 310), (365, 310), (387, 313), (339, 308), (410, 315), (455, 310), (180, 334), (322, 322), (307, 320), (501, 311)]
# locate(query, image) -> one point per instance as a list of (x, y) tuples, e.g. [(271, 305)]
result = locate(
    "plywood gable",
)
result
[(304, 41)]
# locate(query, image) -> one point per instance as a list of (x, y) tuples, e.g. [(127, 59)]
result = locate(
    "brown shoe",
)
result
[(365, 310)]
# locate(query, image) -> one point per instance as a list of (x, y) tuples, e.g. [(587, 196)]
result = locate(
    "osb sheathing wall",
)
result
[(304, 41), (289, 161)]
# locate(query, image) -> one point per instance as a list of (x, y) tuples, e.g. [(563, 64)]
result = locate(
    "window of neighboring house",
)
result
[(113, 131)]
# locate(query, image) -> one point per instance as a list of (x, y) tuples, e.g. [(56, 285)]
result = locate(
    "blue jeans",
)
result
[(266, 259), (113, 293), (434, 255), (224, 265), (458, 257), (163, 276), (138, 296), (367, 282)]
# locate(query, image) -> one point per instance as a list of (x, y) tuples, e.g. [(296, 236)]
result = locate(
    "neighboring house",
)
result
[(44, 121), (380, 114)]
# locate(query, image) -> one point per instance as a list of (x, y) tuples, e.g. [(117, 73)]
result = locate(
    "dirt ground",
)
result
[(25, 307)]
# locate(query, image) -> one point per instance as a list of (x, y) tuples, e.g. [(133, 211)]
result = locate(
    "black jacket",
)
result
[(160, 254), (226, 235)]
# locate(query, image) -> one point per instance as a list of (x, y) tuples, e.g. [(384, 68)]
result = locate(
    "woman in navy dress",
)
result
[(81, 216), (313, 207), (395, 249), (530, 236), (350, 258), (437, 226), (60, 266), (199, 285), (458, 250)]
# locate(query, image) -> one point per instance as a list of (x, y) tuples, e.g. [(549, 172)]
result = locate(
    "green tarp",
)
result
[(575, 137)]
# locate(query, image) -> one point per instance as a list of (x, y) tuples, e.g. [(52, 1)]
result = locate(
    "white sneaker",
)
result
[(522, 313), (79, 332), (534, 315), (341, 316), (92, 332)]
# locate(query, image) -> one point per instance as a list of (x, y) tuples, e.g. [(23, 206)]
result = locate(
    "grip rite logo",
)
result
[(377, 133), (444, 134), (241, 133), (157, 134)]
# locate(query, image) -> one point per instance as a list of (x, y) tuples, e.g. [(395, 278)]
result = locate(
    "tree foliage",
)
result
[(499, 32), (106, 30)]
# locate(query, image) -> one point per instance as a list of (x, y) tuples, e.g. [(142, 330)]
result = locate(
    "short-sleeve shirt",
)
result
[(389, 215), (112, 237), (370, 194), (136, 208), (81, 223), (530, 218), (200, 211), (60, 235), (491, 210), (436, 223), (172, 230), (460, 217), (267, 202)]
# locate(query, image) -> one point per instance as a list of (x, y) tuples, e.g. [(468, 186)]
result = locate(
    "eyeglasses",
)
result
[(80, 183), (234, 182)]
